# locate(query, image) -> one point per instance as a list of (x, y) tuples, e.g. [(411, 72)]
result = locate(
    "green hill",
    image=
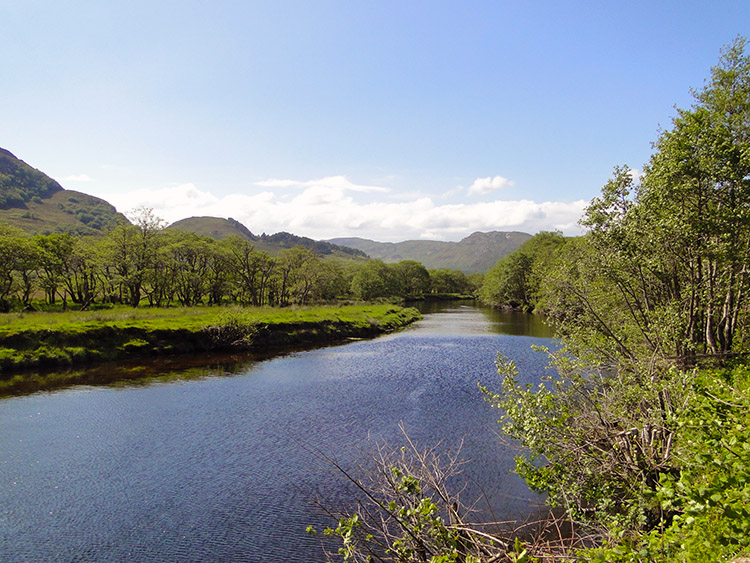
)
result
[(20, 183), (214, 227), (218, 228), (34, 202), (476, 253)]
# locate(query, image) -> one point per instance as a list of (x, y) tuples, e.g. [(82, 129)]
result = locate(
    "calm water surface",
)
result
[(219, 467)]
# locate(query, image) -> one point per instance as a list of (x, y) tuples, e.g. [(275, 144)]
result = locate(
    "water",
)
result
[(221, 464)]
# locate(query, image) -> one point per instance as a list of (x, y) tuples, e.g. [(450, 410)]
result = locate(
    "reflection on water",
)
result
[(456, 318), (135, 372), (215, 461), (463, 315)]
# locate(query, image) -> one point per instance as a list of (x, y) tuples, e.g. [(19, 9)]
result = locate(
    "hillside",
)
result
[(218, 228), (34, 202), (214, 227), (476, 253)]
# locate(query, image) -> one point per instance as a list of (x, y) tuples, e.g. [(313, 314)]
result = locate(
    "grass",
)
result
[(186, 317), (54, 339)]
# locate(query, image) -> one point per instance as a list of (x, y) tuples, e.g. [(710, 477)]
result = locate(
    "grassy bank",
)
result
[(47, 340)]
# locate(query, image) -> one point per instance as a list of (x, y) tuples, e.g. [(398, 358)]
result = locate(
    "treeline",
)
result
[(145, 264), (642, 433)]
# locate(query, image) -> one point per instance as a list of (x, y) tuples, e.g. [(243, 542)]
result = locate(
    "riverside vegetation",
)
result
[(640, 434), (61, 339), (70, 299)]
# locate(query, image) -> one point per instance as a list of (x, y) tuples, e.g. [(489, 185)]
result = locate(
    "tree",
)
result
[(131, 249), (697, 188), (373, 279), (81, 273), (450, 281), (26, 269), (252, 269), (55, 254), (516, 279), (656, 287), (410, 278), (12, 245)]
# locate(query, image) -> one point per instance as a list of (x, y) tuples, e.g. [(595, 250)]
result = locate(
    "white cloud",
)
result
[(338, 182), (489, 184), (77, 178), (329, 208)]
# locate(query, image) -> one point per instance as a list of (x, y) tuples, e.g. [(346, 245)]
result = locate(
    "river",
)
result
[(217, 462)]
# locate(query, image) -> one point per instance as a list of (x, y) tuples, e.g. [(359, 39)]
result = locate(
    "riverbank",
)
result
[(54, 340)]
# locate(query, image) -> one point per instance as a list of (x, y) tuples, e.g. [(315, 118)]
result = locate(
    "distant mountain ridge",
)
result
[(36, 203), (476, 253), (218, 228)]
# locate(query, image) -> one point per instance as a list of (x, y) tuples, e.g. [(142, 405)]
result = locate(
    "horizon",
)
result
[(390, 122)]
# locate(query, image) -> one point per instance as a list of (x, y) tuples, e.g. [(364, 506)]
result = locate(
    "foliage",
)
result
[(374, 279), (640, 434), (663, 273), (597, 441), (144, 262), (19, 182), (516, 279), (710, 497), (453, 281)]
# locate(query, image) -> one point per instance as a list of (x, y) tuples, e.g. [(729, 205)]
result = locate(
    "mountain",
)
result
[(218, 228), (34, 202), (476, 253)]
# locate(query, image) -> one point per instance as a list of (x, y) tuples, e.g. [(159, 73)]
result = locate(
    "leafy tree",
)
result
[(372, 280), (658, 286), (218, 278), (450, 281), (332, 281), (252, 270), (410, 279), (516, 279), (81, 273), (12, 246), (26, 269), (55, 254), (131, 249), (190, 259)]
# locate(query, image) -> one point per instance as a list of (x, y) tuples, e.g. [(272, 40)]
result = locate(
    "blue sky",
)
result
[(389, 120)]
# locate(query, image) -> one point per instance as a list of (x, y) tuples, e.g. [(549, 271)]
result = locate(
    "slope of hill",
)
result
[(34, 202), (19, 182), (214, 227), (476, 253), (218, 228)]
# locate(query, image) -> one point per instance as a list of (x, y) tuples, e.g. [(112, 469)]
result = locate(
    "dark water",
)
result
[(219, 465)]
